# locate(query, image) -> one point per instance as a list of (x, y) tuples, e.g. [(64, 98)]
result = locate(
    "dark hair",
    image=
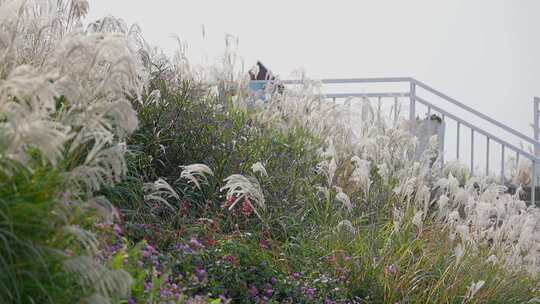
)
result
[(263, 74)]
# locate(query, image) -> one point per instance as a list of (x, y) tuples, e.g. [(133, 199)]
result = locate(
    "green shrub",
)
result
[(306, 247), (190, 128), (30, 234)]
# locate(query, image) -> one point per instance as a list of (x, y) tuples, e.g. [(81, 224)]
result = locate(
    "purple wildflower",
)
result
[(268, 291), (131, 301), (147, 286), (117, 229), (165, 293), (391, 269), (201, 274), (195, 243), (113, 249), (183, 248), (308, 292), (151, 248), (253, 291), (264, 244)]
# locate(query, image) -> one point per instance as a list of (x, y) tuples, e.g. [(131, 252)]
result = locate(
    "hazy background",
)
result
[(485, 53)]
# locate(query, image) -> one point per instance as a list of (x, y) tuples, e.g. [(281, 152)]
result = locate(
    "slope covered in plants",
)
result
[(130, 177)]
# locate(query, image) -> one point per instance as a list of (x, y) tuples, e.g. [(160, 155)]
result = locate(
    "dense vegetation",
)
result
[(127, 177)]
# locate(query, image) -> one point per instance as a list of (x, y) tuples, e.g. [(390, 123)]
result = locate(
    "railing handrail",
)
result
[(367, 95), (342, 80), (477, 113), (479, 130)]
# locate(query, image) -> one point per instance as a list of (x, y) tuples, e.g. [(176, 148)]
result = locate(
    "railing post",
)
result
[(502, 164), (395, 109), (472, 151), (457, 141), (440, 138), (536, 149), (412, 105), (487, 155), (533, 183), (536, 130)]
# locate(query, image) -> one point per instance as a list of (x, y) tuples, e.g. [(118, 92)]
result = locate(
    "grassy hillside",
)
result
[(130, 177)]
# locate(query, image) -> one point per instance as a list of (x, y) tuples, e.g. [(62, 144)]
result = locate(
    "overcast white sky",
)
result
[(486, 53)]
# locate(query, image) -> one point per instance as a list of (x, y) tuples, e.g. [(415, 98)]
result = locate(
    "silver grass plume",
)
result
[(102, 166), (86, 238), (111, 284), (346, 226), (473, 289), (65, 92), (160, 191), (344, 200), (241, 187), (196, 174), (258, 167)]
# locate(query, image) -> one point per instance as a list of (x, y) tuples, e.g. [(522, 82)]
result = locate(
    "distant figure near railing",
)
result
[(415, 94), (259, 75)]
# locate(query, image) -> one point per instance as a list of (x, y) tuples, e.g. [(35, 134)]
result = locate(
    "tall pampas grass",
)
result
[(239, 187), (65, 104), (475, 211), (196, 174)]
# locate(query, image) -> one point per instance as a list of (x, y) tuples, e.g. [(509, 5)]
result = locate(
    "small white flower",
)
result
[(345, 200), (492, 259), (443, 202), (473, 289), (361, 173), (332, 167), (459, 251), (418, 219), (346, 225), (258, 167)]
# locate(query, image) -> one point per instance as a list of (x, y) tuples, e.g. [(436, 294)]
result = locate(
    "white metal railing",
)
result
[(413, 96)]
